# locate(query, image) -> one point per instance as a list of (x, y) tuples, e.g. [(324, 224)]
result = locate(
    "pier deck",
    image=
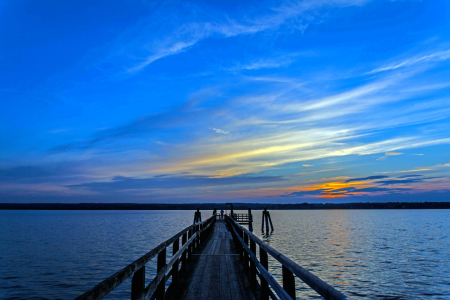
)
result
[(218, 260), (215, 271)]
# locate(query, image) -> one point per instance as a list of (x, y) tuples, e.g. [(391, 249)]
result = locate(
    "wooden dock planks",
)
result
[(215, 272)]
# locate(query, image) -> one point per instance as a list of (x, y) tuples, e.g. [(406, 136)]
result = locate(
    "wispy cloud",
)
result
[(220, 131), (432, 57), (392, 153), (370, 185), (399, 181), (171, 182), (266, 63), (175, 48), (142, 126), (294, 122), (412, 175), (366, 178), (145, 47), (387, 154)]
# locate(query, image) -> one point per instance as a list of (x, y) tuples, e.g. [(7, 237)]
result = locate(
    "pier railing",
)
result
[(246, 242), (191, 237), (242, 217)]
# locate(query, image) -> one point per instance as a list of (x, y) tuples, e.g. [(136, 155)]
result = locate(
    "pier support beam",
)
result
[(161, 290), (138, 283), (246, 258), (253, 281), (263, 258), (175, 248), (288, 282), (183, 257)]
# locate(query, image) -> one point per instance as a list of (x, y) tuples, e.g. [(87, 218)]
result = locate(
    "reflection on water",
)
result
[(375, 254), (367, 254), (62, 254), (266, 237)]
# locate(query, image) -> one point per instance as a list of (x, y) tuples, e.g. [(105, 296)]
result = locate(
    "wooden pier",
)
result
[(217, 259), (215, 272)]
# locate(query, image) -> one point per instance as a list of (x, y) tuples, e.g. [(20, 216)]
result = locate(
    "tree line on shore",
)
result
[(236, 206)]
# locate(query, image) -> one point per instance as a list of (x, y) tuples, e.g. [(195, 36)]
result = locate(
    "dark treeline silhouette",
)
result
[(211, 206)]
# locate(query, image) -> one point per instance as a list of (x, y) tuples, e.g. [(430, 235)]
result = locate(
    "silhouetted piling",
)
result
[(250, 219), (197, 216), (266, 219)]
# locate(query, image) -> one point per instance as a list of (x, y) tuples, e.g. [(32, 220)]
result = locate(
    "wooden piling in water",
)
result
[(250, 219), (197, 216), (266, 219)]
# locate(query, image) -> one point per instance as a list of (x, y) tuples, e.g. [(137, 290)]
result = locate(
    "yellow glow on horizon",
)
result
[(267, 150), (332, 196)]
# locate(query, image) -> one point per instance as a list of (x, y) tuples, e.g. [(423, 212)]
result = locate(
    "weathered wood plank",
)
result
[(235, 286), (216, 274)]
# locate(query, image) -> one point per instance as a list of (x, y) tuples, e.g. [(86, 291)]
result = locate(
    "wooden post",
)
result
[(183, 257), (267, 222), (288, 282), (237, 244), (241, 248), (253, 281), (190, 245), (161, 289), (138, 283), (262, 220), (245, 253), (197, 216), (202, 234), (265, 263), (231, 211), (197, 238), (194, 242), (250, 220), (270, 220), (175, 248)]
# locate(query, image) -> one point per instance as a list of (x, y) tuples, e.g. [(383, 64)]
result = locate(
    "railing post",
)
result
[(138, 283), (175, 248), (265, 263), (241, 248), (289, 282), (250, 220), (201, 234), (183, 256), (245, 253), (194, 242), (161, 289), (252, 265), (196, 236), (190, 245)]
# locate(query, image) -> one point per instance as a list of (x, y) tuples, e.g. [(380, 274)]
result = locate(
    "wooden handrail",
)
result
[(241, 217), (289, 267), (263, 272), (106, 286)]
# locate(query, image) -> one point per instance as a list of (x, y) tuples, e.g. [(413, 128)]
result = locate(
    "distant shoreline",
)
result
[(211, 206)]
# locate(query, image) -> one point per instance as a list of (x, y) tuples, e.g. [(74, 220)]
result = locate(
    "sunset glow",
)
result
[(290, 101)]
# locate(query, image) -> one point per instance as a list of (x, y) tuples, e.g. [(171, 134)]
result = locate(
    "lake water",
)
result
[(367, 254)]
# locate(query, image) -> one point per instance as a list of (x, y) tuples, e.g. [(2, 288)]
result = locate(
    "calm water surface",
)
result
[(367, 254)]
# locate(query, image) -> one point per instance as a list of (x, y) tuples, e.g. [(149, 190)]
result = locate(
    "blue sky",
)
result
[(267, 101)]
